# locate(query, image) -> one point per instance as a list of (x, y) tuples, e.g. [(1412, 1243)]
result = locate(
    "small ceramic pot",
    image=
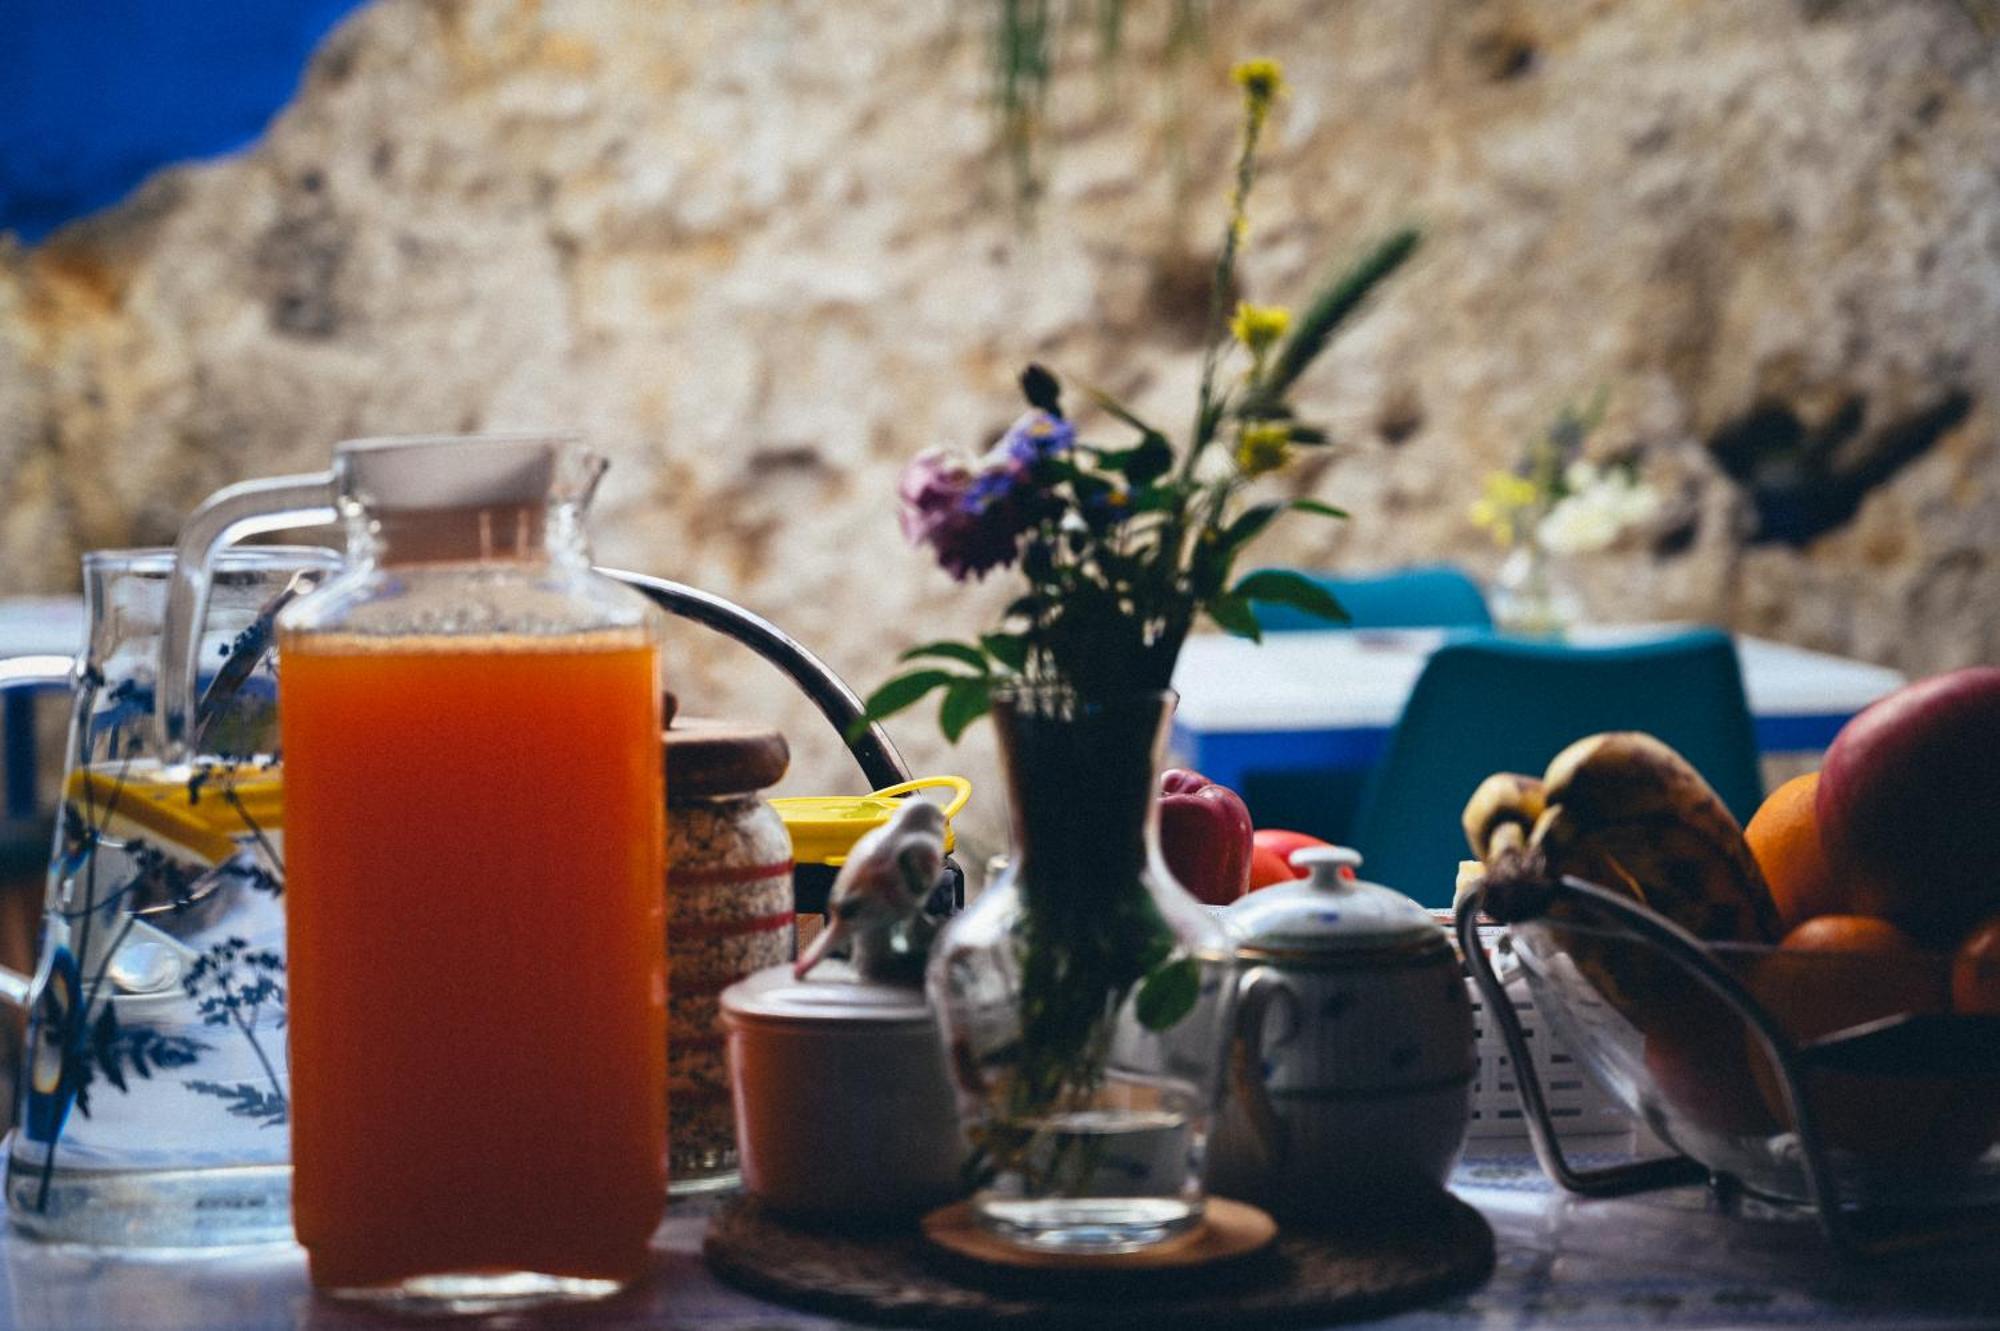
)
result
[(1353, 1057), (843, 1107)]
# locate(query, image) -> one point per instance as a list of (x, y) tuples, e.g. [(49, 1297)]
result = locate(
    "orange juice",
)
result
[(474, 845)]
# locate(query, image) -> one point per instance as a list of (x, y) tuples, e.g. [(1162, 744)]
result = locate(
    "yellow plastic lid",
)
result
[(209, 817), (825, 827)]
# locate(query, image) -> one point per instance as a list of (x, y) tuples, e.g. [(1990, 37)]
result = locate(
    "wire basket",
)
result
[(1889, 1130), (1577, 1105)]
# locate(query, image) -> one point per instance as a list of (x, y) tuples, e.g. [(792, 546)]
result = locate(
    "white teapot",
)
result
[(1352, 1060)]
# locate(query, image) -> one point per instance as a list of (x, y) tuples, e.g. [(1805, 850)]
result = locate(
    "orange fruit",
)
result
[(1784, 836), (1975, 971), (1839, 971)]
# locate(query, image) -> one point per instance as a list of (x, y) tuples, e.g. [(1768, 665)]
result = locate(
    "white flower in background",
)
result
[(1580, 476), (1599, 508)]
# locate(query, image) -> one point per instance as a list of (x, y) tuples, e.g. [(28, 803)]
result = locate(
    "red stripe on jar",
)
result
[(755, 924), (720, 875)]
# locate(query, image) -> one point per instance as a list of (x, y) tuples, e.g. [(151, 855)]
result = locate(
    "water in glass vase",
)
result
[(1084, 996), (1122, 1175)]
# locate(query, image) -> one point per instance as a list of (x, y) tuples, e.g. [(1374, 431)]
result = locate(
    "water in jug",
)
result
[(154, 1093)]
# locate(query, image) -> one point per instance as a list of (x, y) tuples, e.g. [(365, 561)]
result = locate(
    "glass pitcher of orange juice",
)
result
[(471, 727)]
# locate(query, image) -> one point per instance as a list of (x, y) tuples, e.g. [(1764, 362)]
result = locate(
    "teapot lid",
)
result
[(1329, 912)]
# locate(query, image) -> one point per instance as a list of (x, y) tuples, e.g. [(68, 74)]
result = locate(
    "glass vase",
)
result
[(1533, 595), (1084, 997)]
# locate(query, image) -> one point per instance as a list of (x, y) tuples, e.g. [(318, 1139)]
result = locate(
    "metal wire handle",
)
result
[(1847, 1233), (840, 705)]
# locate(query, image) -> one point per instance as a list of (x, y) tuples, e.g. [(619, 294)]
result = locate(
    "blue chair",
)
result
[(1497, 705), (1426, 596)]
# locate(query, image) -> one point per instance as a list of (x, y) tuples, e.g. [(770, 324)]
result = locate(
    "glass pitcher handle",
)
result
[(29, 672), (230, 514)]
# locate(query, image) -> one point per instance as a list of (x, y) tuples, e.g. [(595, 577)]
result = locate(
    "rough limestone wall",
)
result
[(761, 252)]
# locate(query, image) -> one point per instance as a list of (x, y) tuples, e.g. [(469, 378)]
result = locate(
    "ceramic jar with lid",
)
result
[(729, 914), (1353, 1057), (843, 1106)]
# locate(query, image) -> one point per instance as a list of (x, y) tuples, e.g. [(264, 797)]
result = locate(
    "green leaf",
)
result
[(1315, 506), (1009, 649), (897, 694), (1309, 435), (953, 651), (965, 701), (1152, 459), (1250, 522), (1168, 995), (1107, 403), (1233, 613), (1332, 307), (1286, 587)]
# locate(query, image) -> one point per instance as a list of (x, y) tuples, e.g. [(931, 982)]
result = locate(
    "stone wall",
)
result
[(763, 252)]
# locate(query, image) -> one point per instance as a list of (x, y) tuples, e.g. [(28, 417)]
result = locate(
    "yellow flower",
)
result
[(1261, 80), (1259, 326), (1263, 447), (1507, 497)]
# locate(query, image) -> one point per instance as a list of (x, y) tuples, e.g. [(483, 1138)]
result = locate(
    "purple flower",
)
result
[(936, 491), (1038, 435)]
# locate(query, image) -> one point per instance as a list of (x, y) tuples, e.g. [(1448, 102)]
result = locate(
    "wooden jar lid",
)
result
[(707, 756)]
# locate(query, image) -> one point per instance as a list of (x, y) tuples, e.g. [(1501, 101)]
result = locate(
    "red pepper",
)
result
[(1205, 835)]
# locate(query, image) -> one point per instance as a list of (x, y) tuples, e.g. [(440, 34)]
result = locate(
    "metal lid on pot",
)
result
[(1329, 914), (832, 997)]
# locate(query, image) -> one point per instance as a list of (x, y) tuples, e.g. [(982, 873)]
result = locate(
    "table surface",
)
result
[(1666, 1260), (1355, 679)]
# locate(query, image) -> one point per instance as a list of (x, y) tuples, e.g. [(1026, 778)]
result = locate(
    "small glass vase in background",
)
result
[(1533, 594), (1084, 996)]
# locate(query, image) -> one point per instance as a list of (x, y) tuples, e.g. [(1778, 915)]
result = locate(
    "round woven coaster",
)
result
[(1387, 1262)]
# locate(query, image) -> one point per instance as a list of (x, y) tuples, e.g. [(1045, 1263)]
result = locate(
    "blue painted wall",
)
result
[(97, 94)]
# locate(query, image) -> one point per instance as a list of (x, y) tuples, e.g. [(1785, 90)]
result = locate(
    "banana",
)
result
[(1502, 812), (1627, 799), (1626, 812)]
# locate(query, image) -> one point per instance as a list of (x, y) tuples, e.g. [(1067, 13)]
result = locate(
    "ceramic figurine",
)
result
[(877, 904)]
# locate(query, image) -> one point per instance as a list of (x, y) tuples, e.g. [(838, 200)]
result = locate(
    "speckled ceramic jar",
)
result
[(729, 914)]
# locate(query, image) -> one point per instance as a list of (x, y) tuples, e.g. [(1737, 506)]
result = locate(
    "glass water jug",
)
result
[(153, 1093), (474, 776)]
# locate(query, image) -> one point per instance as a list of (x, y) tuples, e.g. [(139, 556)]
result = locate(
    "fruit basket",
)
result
[(1889, 1127)]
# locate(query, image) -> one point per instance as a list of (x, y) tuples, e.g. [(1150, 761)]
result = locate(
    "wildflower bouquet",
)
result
[(1556, 502), (1123, 546), (1084, 1033), (1560, 500)]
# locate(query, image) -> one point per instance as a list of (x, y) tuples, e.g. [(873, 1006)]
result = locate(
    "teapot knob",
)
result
[(1331, 867)]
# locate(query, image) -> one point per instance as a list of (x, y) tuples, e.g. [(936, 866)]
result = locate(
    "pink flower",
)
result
[(935, 490)]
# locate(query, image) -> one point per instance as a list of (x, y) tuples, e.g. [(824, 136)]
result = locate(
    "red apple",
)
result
[(1907, 798), (1204, 836)]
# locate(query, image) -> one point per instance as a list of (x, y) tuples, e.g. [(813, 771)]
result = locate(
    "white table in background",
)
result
[(1327, 700)]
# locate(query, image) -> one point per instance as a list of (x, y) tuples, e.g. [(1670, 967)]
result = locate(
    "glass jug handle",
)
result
[(230, 514), (28, 672)]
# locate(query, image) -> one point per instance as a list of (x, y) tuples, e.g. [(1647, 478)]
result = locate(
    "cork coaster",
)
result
[(1229, 1231), (896, 1277)]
